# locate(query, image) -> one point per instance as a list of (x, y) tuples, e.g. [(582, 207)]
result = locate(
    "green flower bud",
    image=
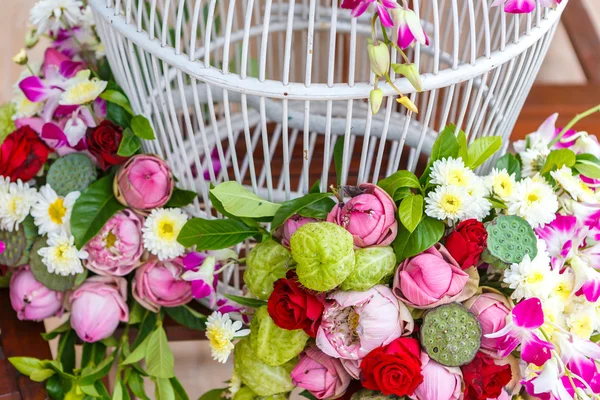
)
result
[(272, 344), (372, 265), (324, 253), (266, 263), (261, 378), (379, 55), (410, 72), (7, 125), (31, 38), (376, 98), (245, 393), (21, 58)]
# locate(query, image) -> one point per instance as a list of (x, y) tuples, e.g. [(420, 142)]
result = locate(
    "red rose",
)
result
[(484, 379), (393, 369), (22, 154), (294, 307), (103, 143), (467, 242)]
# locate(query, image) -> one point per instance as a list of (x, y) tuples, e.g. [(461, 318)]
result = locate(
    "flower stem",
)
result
[(575, 120), (374, 29), (84, 51), (389, 81)]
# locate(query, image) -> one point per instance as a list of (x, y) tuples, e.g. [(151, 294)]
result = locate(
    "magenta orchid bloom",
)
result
[(407, 28), (549, 384), (525, 318), (589, 215), (2, 247), (579, 356), (236, 311), (516, 6), (563, 237), (358, 8), (587, 279)]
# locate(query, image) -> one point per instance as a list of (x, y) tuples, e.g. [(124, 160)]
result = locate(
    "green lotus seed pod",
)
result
[(40, 271), (372, 265), (324, 253), (245, 393), (451, 335), (510, 238), (71, 173), (272, 344), (7, 125), (263, 379), (18, 243), (366, 394), (266, 263)]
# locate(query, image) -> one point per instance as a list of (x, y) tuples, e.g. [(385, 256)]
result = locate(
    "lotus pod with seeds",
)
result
[(73, 172), (451, 335), (40, 270), (510, 238), (18, 243)]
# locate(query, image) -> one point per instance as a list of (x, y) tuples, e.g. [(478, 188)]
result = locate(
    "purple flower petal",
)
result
[(34, 89), (519, 6), (2, 247), (69, 69), (54, 136), (386, 20), (528, 314), (535, 350), (201, 289), (591, 290), (193, 260)]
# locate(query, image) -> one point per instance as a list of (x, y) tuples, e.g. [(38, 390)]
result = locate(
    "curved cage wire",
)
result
[(264, 88)]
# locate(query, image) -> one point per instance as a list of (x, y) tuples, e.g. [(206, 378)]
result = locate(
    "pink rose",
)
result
[(291, 225), (159, 283), (439, 382), (491, 309), (144, 182), (30, 299), (97, 307), (370, 216), (430, 279), (321, 375), (354, 323), (117, 249)]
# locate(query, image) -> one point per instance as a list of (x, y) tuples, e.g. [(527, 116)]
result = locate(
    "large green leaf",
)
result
[(214, 234), (246, 301), (66, 350), (136, 384), (338, 157), (399, 180), (411, 211), (427, 233), (89, 375), (511, 164), (214, 394), (40, 375), (588, 165), (141, 128), (159, 358), (188, 317), (296, 206), (179, 390), (557, 159), (92, 354), (116, 97), (130, 144), (481, 149), (57, 331), (26, 365), (181, 198), (446, 145), (463, 148), (96, 205), (164, 389), (138, 353), (241, 202)]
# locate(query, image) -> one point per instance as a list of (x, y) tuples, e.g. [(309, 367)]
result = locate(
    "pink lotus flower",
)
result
[(98, 306), (407, 28), (491, 309), (291, 225), (144, 182), (117, 249), (563, 237), (526, 317), (324, 377), (431, 279), (159, 283), (370, 216), (30, 299), (354, 323), (439, 382), (358, 8)]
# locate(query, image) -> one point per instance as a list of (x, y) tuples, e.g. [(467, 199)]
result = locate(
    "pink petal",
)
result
[(591, 290), (193, 259), (536, 351), (34, 89), (528, 314), (519, 6), (386, 20), (69, 68), (54, 136)]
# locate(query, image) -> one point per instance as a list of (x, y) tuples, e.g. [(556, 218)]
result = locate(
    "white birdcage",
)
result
[(266, 87)]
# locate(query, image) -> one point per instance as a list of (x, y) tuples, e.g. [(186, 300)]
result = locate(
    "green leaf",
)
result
[(90, 390), (399, 180), (138, 353), (116, 97), (40, 375), (181, 198), (147, 326), (557, 159), (91, 375), (319, 209), (338, 157), (57, 331), (142, 128), (316, 187), (595, 338), (136, 384), (159, 358), (66, 350), (110, 342), (214, 234), (497, 203), (118, 115), (307, 394), (245, 301), (188, 317), (481, 149), (136, 313), (588, 165), (411, 211), (401, 194), (463, 151), (446, 145), (164, 390), (214, 394), (118, 391), (104, 395), (511, 164), (26, 365), (96, 205), (295, 206), (92, 354), (180, 393), (241, 202), (55, 389), (130, 144), (407, 244)]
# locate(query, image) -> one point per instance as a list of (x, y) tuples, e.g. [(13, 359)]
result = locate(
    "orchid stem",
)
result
[(84, 51), (575, 120), (374, 29), (389, 81)]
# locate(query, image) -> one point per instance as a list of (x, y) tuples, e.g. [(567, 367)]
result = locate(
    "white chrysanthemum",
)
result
[(447, 202), (220, 332), (500, 183), (451, 171), (574, 185), (49, 15), (161, 230), (478, 206), (82, 90), (24, 108), (532, 162), (52, 213), (4, 184), (15, 203), (533, 200), (61, 257), (532, 278)]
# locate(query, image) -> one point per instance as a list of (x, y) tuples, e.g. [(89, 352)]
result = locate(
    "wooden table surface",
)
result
[(21, 338)]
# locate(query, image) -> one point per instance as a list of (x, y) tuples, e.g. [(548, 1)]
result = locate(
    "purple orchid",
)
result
[(358, 8), (587, 279), (563, 237), (2, 247), (407, 28), (579, 357)]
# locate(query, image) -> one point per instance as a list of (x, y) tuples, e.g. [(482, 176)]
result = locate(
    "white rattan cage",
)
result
[(266, 87)]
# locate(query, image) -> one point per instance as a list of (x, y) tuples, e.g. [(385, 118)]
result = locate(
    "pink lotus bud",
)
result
[(439, 382), (491, 310), (117, 249), (370, 216), (30, 299), (144, 182), (321, 375), (430, 279), (354, 323), (291, 225), (159, 283), (97, 307)]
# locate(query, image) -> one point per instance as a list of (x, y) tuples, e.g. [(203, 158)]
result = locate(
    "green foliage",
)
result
[(118, 98), (398, 181), (241, 202), (315, 205), (214, 234), (373, 265), (411, 211), (446, 145), (7, 125), (66, 350), (481, 149), (187, 316), (214, 394), (181, 198), (338, 157), (510, 238), (511, 164), (426, 234), (463, 148), (142, 128), (57, 331), (246, 301), (588, 165), (130, 144), (557, 159), (159, 358), (266, 262)]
